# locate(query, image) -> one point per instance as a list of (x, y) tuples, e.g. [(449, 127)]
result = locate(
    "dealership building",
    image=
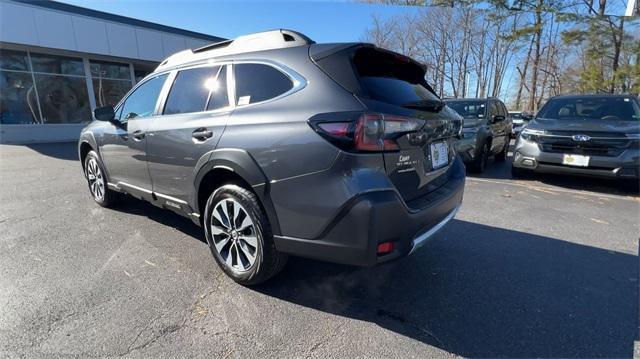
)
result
[(59, 61)]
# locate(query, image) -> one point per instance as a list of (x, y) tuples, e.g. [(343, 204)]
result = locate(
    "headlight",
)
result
[(531, 135)]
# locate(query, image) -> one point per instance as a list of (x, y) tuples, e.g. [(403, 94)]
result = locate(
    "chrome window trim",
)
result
[(298, 81)]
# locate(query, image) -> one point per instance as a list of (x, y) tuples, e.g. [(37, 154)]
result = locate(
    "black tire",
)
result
[(517, 172), (268, 260), (480, 162), (94, 173), (502, 156)]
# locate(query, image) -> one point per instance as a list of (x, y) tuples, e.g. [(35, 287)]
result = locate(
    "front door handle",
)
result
[(138, 135), (202, 134)]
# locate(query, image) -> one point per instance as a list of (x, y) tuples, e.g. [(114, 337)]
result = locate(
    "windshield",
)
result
[(603, 108), (469, 109)]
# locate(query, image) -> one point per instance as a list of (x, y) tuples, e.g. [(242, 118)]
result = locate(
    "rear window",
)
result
[(597, 108), (391, 78), (469, 109)]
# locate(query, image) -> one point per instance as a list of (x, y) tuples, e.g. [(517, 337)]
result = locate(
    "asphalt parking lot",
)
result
[(529, 268)]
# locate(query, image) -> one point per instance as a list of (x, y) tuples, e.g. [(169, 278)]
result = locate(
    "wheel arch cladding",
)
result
[(83, 151), (234, 166)]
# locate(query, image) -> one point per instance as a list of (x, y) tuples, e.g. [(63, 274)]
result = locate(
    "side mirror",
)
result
[(497, 118), (105, 113)]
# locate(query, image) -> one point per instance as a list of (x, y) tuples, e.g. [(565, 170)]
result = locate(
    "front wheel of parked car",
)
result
[(480, 162), (94, 173), (239, 236)]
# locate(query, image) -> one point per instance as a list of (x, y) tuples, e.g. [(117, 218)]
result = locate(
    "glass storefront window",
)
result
[(63, 99), (109, 92), (110, 70), (13, 60), (140, 73), (52, 64), (110, 80), (37, 88), (18, 103)]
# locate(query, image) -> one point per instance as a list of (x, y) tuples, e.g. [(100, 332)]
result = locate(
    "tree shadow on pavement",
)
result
[(479, 291)]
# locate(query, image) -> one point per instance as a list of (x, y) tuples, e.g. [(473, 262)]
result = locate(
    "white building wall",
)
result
[(30, 25), (87, 37)]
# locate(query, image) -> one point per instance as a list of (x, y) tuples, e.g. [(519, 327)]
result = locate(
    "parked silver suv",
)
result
[(277, 145), (592, 135)]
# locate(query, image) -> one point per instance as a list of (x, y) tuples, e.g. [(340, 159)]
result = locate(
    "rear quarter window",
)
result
[(259, 82)]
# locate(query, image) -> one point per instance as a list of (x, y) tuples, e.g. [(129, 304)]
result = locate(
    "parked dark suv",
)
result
[(591, 135), (277, 145), (486, 132)]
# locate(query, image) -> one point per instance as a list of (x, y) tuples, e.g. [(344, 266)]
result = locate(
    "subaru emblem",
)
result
[(581, 138)]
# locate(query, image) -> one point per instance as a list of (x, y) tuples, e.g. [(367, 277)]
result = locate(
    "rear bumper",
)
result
[(527, 155), (381, 216)]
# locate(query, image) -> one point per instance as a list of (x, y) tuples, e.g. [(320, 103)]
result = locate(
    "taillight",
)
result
[(368, 132)]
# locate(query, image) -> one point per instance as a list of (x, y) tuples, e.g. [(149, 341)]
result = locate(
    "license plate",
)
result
[(439, 155), (575, 160)]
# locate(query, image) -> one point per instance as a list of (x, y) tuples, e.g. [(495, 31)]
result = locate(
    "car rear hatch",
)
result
[(417, 129)]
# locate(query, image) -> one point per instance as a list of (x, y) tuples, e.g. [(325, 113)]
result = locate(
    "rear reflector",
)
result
[(384, 248)]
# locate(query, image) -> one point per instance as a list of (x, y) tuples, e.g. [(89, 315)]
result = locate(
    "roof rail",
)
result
[(268, 40)]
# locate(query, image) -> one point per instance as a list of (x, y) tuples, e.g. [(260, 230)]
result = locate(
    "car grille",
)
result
[(600, 144)]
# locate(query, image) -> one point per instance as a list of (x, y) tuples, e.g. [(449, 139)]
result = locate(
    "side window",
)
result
[(190, 90), (493, 109), (219, 97), (503, 110), (142, 102), (258, 82)]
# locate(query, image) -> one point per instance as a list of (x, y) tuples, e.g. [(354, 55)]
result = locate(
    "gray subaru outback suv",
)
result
[(276, 145)]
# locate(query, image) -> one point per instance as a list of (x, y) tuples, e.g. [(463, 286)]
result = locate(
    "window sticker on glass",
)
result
[(244, 100)]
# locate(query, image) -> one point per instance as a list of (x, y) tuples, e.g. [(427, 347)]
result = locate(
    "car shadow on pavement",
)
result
[(166, 217), (480, 291), (63, 150)]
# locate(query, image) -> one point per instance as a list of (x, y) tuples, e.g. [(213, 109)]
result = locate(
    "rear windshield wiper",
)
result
[(425, 105)]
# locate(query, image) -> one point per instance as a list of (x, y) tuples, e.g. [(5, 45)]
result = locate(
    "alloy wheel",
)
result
[(95, 178), (234, 235)]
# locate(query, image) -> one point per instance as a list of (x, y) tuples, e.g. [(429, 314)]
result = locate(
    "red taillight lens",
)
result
[(386, 247), (369, 132), (339, 129)]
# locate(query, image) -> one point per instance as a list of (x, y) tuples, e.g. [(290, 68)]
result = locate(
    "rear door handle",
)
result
[(202, 134), (138, 135)]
